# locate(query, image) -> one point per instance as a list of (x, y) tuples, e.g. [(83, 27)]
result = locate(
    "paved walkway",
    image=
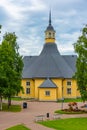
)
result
[(27, 116)]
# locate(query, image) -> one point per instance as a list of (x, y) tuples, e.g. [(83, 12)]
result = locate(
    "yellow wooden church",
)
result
[(48, 77)]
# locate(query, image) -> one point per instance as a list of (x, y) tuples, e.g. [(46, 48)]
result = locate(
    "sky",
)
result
[(29, 19)]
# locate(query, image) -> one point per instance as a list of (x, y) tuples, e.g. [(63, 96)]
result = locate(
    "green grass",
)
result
[(16, 99), (67, 124), (18, 127), (12, 108), (71, 100), (19, 99), (70, 112)]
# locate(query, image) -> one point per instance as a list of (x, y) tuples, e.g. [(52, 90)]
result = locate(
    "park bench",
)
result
[(56, 116), (39, 118)]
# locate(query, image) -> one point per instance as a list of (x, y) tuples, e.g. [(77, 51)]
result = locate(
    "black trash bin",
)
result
[(47, 115), (24, 105)]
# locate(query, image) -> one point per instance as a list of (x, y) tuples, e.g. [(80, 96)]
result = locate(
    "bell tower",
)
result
[(50, 32)]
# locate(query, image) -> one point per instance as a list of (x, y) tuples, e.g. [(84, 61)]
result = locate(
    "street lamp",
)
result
[(62, 95)]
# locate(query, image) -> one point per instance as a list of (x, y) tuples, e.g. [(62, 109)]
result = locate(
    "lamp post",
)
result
[(62, 95)]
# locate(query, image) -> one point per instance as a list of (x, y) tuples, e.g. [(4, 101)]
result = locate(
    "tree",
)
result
[(1, 82), (12, 64), (81, 64)]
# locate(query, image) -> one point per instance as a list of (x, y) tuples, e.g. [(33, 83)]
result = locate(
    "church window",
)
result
[(68, 90), (27, 83), (47, 93), (27, 90), (68, 83)]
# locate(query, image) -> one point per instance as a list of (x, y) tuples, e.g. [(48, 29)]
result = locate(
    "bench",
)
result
[(39, 118), (56, 116)]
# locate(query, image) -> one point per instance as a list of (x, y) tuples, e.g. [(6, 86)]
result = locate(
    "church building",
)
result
[(48, 77)]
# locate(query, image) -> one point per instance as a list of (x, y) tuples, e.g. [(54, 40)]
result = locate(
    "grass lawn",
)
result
[(70, 112), (71, 100), (18, 127), (67, 124), (12, 108), (16, 99), (19, 99)]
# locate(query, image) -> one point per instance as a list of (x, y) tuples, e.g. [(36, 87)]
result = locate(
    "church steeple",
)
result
[(50, 18), (50, 32)]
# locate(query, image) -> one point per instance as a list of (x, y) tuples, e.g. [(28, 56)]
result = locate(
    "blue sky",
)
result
[(29, 19)]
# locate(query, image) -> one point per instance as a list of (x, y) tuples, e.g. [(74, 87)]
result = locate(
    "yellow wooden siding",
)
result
[(48, 40), (74, 93), (31, 86), (56, 93), (38, 82), (51, 97)]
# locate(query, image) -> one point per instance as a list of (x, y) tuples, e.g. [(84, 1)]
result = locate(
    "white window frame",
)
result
[(27, 90), (27, 83), (69, 90), (69, 82), (47, 93)]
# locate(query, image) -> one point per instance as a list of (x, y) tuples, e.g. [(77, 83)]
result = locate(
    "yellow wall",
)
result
[(32, 89), (58, 83), (56, 93), (74, 92), (38, 82), (51, 97), (47, 40)]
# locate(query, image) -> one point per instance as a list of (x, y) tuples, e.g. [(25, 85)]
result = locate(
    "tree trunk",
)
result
[(9, 102), (1, 103)]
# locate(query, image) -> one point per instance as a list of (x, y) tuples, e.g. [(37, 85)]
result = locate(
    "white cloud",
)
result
[(31, 44), (36, 5), (15, 11), (66, 48), (65, 45), (70, 36), (29, 17), (12, 10)]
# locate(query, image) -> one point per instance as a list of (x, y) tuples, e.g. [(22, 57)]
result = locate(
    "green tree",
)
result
[(81, 64), (1, 82), (12, 64)]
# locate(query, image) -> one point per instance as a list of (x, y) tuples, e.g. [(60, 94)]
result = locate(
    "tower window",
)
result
[(49, 34), (53, 35)]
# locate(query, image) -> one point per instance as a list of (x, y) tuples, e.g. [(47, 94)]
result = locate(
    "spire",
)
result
[(49, 32), (50, 17)]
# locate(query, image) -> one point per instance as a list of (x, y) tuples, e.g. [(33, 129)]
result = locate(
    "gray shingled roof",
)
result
[(71, 60), (47, 84), (49, 64), (50, 28)]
